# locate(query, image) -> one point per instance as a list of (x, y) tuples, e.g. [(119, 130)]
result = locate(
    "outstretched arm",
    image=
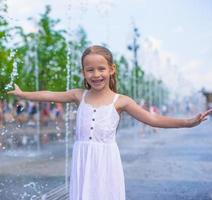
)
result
[(136, 111), (62, 97)]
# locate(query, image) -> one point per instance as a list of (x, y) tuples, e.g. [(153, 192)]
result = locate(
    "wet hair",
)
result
[(103, 51)]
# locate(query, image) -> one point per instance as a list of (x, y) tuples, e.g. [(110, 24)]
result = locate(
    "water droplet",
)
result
[(32, 197), (58, 134), (8, 87)]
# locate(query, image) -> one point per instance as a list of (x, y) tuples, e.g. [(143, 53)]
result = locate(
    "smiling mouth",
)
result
[(97, 81)]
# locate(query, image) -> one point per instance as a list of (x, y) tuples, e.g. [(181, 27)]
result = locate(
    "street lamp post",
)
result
[(134, 48)]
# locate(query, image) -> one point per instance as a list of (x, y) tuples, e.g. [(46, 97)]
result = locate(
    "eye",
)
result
[(102, 68)]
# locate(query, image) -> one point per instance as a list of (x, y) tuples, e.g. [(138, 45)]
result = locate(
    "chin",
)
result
[(100, 87)]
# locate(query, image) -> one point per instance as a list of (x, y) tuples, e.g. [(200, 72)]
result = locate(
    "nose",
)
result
[(96, 73)]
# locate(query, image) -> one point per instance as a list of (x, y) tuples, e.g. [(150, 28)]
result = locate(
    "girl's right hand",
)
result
[(17, 91)]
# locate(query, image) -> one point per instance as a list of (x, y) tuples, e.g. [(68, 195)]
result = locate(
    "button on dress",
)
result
[(96, 168)]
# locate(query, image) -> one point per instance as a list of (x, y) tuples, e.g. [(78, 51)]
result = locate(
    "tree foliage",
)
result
[(49, 50)]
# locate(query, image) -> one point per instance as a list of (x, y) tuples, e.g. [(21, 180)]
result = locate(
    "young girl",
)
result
[(96, 171)]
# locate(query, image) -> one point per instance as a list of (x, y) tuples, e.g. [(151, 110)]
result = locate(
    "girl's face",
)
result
[(97, 71)]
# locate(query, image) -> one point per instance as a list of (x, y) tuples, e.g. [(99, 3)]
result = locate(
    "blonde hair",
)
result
[(103, 51)]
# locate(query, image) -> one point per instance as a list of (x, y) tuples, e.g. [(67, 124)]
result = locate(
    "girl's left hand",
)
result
[(199, 118)]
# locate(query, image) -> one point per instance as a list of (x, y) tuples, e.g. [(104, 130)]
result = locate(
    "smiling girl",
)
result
[(96, 171)]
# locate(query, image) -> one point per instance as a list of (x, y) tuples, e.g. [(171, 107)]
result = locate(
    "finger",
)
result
[(205, 117), (209, 111), (206, 113), (203, 120), (202, 117)]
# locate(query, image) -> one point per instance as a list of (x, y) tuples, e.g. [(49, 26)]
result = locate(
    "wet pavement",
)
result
[(171, 164), (164, 164)]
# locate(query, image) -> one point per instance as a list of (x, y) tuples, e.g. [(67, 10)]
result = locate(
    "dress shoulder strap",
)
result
[(83, 95), (115, 98)]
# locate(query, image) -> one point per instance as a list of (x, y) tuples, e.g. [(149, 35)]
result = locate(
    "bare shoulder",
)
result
[(77, 93), (122, 102)]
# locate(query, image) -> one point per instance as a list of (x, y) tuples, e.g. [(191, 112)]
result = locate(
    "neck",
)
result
[(104, 91)]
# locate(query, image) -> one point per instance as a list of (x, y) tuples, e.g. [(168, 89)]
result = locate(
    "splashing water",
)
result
[(30, 186), (67, 124), (3, 8), (14, 73), (67, 115)]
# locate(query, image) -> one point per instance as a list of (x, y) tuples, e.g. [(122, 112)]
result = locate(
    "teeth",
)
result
[(97, 81)]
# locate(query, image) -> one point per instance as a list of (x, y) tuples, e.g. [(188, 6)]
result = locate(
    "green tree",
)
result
[(50, 53), (6, 63), (122, 75), (77, 45), (50, 50)]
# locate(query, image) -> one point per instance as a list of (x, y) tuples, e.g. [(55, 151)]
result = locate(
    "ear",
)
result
[(112, 69)]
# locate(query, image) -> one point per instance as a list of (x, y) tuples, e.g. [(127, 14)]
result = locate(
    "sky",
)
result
[(175, 36)]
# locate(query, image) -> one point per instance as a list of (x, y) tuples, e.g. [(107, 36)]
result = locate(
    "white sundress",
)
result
[(96, 168)]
